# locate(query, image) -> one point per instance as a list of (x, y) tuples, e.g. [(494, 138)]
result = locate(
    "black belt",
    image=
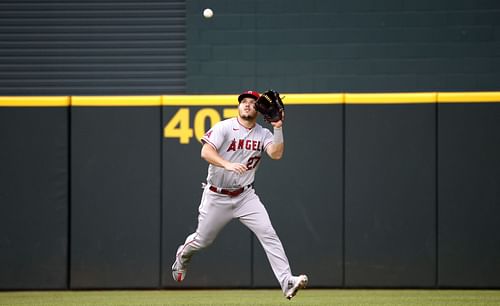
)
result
[(230, 192)]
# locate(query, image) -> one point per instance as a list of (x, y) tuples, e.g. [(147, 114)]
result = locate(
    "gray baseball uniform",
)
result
[(238, 144)]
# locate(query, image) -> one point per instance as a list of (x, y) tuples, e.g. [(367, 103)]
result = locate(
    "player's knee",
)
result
[(266, 232)]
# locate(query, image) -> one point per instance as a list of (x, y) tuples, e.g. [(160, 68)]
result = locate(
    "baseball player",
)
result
[(233, 148)]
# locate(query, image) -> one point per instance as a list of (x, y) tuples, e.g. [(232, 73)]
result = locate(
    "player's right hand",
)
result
[(236, 167)]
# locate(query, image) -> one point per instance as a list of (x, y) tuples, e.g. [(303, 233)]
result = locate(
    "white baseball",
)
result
[(208, 13)]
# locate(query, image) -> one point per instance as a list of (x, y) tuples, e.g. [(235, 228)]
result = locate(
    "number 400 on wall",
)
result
[(179, 126)]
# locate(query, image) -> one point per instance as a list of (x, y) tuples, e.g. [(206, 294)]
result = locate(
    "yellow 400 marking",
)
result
[(179, 126)]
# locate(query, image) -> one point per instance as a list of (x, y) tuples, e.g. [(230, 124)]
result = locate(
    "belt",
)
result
[(230, 192)]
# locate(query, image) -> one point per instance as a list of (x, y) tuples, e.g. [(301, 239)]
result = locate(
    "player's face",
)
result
[(247, 109)]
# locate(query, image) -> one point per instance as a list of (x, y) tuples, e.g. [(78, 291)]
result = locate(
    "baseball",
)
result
[(208, 13)]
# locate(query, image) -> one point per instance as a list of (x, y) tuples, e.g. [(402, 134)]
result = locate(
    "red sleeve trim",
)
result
[(267, 144), (204, 140)]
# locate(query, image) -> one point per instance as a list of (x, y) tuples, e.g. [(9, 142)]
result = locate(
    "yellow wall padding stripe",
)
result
[(116, 101), (35, 101), (232, 99), (390, 98), (291, 99), (468, 97)]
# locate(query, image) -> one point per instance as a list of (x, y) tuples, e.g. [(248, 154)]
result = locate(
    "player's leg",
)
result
[(252, 213), (214, 214)]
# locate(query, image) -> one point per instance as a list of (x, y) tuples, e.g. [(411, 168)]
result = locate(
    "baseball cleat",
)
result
[(294, 284), (178, 269)]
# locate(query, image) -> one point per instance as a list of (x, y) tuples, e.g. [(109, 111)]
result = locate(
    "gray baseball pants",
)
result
[(216, 210)]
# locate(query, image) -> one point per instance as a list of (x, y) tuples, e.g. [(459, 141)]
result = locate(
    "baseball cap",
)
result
[(248, 93)]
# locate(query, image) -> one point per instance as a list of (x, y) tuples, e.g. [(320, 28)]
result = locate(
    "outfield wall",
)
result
[(374, 190)]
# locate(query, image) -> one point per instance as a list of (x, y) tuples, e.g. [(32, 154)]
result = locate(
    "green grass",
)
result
[(252, 297)]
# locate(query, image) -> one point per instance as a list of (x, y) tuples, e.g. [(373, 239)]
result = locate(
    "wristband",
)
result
[(278, 135)]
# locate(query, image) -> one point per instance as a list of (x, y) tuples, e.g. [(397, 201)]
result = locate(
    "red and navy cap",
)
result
[(248, 93)]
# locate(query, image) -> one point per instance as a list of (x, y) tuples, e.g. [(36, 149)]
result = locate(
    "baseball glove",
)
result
[(270, 106)]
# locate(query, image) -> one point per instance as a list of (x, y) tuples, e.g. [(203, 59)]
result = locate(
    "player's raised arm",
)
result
[(211, 155), (276, 149)]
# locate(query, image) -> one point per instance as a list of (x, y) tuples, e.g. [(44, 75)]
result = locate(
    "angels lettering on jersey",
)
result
[(245, 144), (236, 143)]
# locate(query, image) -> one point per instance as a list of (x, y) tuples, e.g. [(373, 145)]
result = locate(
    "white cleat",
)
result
[(294, 284), (178, 269)]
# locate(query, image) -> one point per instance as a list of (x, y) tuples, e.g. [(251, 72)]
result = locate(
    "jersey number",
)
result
[(252, 162)]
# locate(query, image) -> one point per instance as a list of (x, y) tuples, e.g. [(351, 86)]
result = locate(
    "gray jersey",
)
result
[(237, 144)]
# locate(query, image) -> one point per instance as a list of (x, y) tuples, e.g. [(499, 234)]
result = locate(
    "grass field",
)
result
[(252, 297)]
